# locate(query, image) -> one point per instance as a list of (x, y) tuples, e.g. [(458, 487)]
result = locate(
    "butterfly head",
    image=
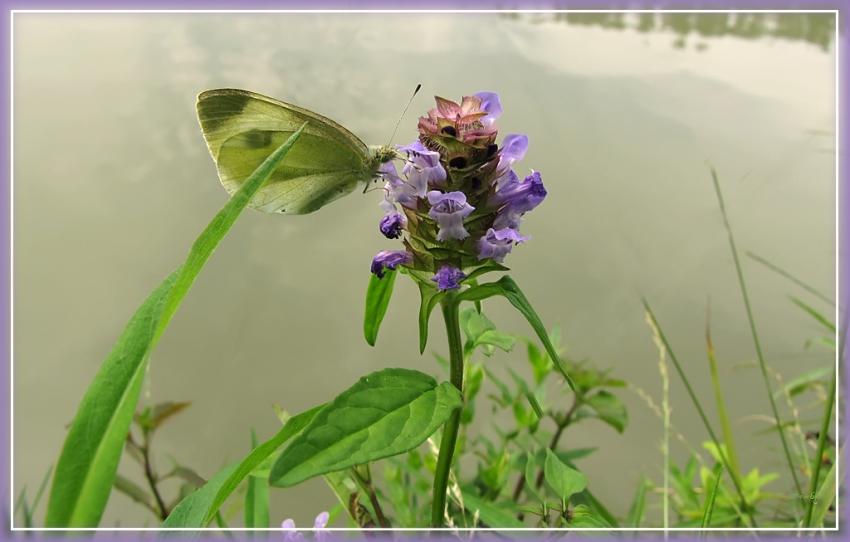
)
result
[(381, 155)]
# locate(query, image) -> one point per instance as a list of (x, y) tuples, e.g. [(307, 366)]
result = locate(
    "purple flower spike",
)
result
[(389, 259), (449, 210), (423, 170), (496, 244), (392, 224), (448, 278), (491, 104)]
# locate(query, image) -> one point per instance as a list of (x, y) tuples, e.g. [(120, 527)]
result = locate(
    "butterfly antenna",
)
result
[(410, 101)]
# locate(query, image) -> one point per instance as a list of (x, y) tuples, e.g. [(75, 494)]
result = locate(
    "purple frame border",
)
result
[(842, 205)]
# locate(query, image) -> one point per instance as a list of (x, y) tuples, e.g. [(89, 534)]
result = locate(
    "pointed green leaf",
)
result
[(507, 288), (585, 518), (636, 510), (429, 298), (89, 459), (564, 480), (608, 408), (490, 513), (378, 296), (199, 507), (383, 414)]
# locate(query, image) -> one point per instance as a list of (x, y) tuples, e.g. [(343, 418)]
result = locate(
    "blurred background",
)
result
[(625, 114)]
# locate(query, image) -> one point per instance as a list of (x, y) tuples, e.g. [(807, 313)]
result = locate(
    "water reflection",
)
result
[(815, 28)]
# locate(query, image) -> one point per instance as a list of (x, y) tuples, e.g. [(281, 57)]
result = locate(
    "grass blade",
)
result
[(754, 332), (725, 425), (656, 327), (792, 278), (89, 459), (256, 498), (636, 510), (818, 459), (709, 501), (199, 508), (825, 496), (820, 318)]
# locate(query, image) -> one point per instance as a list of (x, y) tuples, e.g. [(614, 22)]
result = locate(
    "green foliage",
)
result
[(87, 465), (507, 288), (564, 480), (384, 414), (257, 498), (200, 507), (378, 296), (607, 407)]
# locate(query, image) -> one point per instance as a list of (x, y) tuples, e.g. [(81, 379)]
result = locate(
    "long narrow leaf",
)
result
[(256, 498), (712, 496), (509, 289), (638, 506), (745, 296), (792, 278), (696, 402), (87, 465), (722, 414), (200, 507), (378, 296)]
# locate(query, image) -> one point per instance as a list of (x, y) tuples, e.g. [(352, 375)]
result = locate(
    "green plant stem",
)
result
[(818, 460), (447, 444), (756, 342), (365, 483), (152, 480)]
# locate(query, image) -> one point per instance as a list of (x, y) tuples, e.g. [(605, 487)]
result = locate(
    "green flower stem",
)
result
[(449, 305)]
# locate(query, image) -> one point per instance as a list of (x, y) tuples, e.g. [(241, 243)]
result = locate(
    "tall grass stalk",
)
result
[(665, 411), (824, 430), (725, 426), (775, 268), (695, 400), (756, 342)]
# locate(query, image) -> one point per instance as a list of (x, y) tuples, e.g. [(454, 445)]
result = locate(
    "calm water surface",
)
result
[(113, 182)]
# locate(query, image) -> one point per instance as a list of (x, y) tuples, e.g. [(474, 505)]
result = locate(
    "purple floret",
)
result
[(448, 278), (389, 259)]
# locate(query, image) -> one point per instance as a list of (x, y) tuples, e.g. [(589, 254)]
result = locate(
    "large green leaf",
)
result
[(87, 465), (507, 288), (378, 296), (199, 508), (383, 414)]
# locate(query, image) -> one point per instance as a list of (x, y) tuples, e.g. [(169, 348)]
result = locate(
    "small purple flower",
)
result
[(389, 259), (449, 209), (392, 224), (448, 278), (517, 198), (423, 169), (514, 147), (292, 534), (491, 104), (397, 190), (496, 244)]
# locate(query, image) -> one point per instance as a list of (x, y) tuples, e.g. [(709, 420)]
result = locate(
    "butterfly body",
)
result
[(242, 128)]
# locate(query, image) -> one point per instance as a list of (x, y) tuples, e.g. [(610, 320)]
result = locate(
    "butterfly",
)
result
[(242, 128)]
